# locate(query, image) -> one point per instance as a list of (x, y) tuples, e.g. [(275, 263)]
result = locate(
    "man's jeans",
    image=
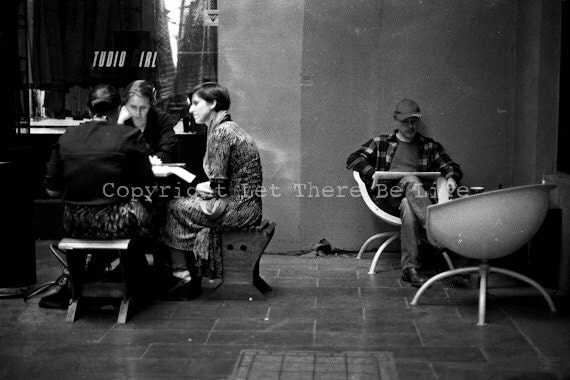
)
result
[(413, 212)]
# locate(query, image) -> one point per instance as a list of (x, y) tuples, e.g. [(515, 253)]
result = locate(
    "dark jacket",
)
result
[(91, 161), (159, 134)]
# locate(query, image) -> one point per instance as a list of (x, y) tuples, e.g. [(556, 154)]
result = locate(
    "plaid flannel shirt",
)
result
[(377, 155)]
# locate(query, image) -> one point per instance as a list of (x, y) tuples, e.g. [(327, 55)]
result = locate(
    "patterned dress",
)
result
[(232, 158), (124, 220)]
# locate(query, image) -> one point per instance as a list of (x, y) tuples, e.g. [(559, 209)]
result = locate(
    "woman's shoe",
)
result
[(58, 298), (183, 290), (183, 275)]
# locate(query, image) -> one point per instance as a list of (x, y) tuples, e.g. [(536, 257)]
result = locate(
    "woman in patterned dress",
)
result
[(231, 199)]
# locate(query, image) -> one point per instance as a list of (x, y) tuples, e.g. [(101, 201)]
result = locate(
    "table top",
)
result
[(58, 127)]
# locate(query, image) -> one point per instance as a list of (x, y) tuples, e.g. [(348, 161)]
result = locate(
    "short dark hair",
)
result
[(210, 92), (104, 100), (140, 88)]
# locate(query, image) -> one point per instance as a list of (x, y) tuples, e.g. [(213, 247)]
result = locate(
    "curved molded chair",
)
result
[(389, 236), (488, 226)]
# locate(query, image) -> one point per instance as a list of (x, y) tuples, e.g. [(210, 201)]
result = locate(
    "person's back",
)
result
[(100, 157), (91, 161), (94, 167)]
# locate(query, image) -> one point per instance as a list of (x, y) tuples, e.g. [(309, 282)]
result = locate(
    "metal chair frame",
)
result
[(392, 220)]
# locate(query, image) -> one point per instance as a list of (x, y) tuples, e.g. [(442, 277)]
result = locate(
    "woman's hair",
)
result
[(104, 100), (140, 88), (210, 92)]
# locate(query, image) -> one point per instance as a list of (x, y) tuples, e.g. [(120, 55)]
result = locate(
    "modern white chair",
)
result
[(488, 226), (392, 220)]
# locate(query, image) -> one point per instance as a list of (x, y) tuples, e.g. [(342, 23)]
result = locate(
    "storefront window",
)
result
[(75, 45)]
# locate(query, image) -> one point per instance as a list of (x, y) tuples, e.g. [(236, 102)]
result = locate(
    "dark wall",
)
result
[(457, 59), (11, 79), (314, 79)]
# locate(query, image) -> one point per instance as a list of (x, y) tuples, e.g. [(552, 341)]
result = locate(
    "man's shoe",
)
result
[(412, 276)]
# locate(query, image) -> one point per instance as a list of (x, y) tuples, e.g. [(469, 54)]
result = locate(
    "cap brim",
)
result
[(404, 116)]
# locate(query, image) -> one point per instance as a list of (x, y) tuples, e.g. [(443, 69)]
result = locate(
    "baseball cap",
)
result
[(406, 109)]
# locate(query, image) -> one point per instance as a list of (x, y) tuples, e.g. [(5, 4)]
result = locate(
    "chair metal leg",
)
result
[(483, 274), (395, 236), (371, 239), (440, 276), (61, 280), (484, 270), (58, 254), (528, 281), (447, 260)]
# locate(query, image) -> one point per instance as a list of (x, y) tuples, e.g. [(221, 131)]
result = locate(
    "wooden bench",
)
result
[(241, 252), (82, 288)]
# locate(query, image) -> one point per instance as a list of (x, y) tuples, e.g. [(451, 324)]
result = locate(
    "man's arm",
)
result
[(167, 138), (361, 159), (449, 168)]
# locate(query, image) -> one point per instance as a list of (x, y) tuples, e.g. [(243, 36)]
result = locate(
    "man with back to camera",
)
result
[(405, 150)]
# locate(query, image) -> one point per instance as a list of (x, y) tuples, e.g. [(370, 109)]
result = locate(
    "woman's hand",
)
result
[(204, 190)]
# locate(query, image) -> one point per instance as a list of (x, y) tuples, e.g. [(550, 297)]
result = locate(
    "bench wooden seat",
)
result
[(81, 288), (241, 253)]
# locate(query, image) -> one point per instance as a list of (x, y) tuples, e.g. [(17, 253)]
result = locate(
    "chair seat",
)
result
[(68, 243), (488, 226)]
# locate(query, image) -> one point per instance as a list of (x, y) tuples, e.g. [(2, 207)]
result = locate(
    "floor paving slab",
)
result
[(326, 318)]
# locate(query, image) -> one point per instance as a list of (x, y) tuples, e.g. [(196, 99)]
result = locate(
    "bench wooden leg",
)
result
[(258, 281), (76, 265), (124, 311), (241, 253), (241, 280), (72, 311)]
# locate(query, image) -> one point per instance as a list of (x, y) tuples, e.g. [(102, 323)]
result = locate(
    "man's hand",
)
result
[(154, 160), (451, 185), (54, 193), (123, 115), (374, 181), (379, 177)]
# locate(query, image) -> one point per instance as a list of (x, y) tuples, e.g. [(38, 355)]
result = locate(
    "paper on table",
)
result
[(380, 175), (163, 171), (397, 175)]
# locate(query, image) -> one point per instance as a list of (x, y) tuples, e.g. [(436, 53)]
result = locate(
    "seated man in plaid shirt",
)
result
[(405, 150)]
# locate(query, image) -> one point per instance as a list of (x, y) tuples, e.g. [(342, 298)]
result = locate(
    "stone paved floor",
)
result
[(326, 319)]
